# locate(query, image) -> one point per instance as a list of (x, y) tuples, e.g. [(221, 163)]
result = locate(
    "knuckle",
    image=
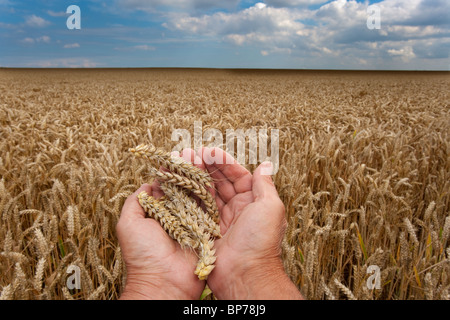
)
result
[(281, 209)]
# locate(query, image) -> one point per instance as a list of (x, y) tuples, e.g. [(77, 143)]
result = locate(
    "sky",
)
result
[(286, 34)]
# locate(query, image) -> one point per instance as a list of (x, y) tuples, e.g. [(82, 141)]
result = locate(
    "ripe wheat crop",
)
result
[(178, 213), (364, 173)]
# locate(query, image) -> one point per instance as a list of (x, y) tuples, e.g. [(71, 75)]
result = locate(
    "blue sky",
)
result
[(294, 34)]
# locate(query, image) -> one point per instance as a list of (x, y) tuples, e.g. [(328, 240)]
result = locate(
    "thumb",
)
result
[(131, 208), (263, 186)]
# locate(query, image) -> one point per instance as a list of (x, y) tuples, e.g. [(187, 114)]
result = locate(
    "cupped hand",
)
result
[(252, 225), (157, 267)]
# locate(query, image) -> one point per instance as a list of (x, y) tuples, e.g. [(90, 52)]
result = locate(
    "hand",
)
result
[(252, 225), (157, 267)]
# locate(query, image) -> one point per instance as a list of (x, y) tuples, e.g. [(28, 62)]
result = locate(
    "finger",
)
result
[(156, 190), (263, 186), (220, 203), (231, 177), (131, 208), (191, 156), (224, 187)]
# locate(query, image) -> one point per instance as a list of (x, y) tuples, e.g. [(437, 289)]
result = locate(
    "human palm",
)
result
[(252, 219)]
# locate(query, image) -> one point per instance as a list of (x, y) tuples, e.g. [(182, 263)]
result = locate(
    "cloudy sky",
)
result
[(294, 34)]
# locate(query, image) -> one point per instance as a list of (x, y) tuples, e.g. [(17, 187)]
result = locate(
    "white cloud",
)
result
[(144, 47), (257, 24), (6, 25), (141, 47), (342, 13), (293, 3), (405, 53), (326, 50), (57, 14), (43, 39), (71, 45), (185, 5), (362, 61), (276, 50), (414, 31), (415, 12), (35, 21), (65, 63), (260, 5), (336, 30), (28, 41)]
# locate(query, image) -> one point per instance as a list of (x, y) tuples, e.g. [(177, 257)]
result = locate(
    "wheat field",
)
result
[(364, 172)]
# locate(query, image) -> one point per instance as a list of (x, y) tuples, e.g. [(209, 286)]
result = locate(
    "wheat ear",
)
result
[(170, 223), (187, 209), (174, 164), (207, 258), (197, 189), (178, 213)]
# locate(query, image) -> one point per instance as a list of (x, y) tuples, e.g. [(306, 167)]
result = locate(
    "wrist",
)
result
[(263, 281), (145, 288)]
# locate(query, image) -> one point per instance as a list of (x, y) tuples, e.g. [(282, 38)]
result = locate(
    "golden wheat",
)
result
[(192, 186), (178, 229), (178, 213), (364, 172)]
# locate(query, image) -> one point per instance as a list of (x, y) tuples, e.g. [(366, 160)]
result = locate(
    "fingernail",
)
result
[(267, 168)]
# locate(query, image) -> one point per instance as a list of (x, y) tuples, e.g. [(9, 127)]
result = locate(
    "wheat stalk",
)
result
[(410, 228), (345, 290), (39, 274), (7, 293)]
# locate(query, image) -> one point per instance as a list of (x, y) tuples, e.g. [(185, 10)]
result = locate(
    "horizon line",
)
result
[(217, 68)]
